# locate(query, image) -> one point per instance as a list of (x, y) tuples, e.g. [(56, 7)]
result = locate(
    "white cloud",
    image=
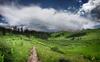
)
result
[(89, 6), (43, 19)]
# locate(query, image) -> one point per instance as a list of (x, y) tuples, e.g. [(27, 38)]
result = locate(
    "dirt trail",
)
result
[(33, 56)]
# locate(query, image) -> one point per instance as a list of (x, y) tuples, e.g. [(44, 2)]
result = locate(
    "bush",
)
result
[(56, 50), (91, 58), (5, 52), (1, 58), (63, 60)]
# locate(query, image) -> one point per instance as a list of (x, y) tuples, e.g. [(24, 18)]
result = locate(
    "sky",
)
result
[(51, 15), (71, 5)]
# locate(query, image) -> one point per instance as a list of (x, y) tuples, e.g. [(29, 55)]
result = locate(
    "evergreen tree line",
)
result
[(28, 33)]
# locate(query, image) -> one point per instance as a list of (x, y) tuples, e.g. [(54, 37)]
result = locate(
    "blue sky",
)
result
[(57, 4)]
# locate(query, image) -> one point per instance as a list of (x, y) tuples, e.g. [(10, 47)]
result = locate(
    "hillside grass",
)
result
[(57, 48)]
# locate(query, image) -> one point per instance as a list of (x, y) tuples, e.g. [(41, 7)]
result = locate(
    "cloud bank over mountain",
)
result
[(49, 19)]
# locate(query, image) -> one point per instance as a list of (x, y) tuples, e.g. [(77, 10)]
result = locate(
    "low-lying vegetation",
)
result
[(51, 47)]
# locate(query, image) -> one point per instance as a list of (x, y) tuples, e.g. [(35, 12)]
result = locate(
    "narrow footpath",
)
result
[(33, 56)]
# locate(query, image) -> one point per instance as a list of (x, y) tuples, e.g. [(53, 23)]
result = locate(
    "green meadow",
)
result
[(81, 46)]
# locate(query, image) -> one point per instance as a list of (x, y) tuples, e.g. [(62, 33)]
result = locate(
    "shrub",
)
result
[(5, 52), (64, 60), (57, 50)]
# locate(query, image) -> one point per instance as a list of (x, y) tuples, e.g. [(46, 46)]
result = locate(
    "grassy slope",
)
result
[(57, 47)]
